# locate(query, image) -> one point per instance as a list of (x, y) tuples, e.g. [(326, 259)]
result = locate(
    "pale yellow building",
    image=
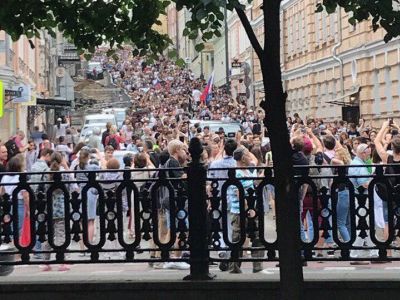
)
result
[(333, 69), (19, 64)]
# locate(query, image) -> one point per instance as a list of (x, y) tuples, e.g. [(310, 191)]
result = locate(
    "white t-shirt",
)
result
[(61, 131), (63, 148), (9, 189), (196, 95)]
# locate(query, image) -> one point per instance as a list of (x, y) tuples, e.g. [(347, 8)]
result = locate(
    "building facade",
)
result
[(335, 70), (19, 65), (33, 64)]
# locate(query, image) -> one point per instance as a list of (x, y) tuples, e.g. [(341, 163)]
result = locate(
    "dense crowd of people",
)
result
[(156, 134)]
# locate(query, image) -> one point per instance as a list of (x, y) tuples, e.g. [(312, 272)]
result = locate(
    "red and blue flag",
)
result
[(207, 93)]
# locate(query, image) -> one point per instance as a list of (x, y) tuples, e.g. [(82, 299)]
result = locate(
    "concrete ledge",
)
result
[(219, 290)]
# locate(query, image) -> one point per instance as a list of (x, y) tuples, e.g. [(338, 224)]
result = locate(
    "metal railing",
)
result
[(199, 214)]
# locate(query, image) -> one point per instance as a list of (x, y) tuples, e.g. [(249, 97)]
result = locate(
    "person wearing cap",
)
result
[(60, 129)]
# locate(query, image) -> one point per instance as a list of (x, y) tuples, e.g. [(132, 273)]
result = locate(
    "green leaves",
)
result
[(380, 12), (208, 35), (199, 47), (180, 62), (92, 23), (172, 54), (87, 56)]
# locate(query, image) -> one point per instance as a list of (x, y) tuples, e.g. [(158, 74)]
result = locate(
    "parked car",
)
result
[(119, 113), (230, 128), (87, 131), (100, 119)]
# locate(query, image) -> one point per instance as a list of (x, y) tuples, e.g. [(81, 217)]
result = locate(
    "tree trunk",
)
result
[(287, 203)]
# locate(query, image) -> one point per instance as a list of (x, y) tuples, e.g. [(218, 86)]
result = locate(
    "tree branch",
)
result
[(249, 31)]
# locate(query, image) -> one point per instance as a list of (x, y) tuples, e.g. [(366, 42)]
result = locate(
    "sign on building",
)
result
[(25, 93), (12, 93)]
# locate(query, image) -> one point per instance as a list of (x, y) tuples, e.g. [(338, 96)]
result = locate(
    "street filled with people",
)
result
[(169, 107)]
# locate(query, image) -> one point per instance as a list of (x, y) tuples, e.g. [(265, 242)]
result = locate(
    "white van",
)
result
[(119, 113), (100, 119)]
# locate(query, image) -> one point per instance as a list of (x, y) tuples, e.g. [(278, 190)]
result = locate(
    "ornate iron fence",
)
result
[(200, 215)]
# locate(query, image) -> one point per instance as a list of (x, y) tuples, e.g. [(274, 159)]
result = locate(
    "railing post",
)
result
[(197, 199)]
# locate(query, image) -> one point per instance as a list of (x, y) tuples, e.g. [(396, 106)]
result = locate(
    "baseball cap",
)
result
[(362, 147)]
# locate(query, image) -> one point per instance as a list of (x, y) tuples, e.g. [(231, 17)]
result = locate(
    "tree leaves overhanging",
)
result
[(91, 23)]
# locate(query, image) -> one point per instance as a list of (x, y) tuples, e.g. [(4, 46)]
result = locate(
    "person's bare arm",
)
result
[(379, 144), (362, 125), (315, 140), (337, 162)]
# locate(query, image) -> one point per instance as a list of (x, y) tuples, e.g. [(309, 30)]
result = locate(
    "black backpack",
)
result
[(381, 189), (12, 148), (112, 141)]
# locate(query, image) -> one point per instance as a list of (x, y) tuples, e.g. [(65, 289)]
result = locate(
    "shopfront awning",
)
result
[(52, 102), (350, 98)]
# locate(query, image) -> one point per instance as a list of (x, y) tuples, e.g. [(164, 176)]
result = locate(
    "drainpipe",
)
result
[(336, 47), (228, 87)]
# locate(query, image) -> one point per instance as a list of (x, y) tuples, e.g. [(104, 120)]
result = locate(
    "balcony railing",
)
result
[(202, 214)]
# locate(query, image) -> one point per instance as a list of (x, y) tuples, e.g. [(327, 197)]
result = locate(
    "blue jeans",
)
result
[(343, 214), (21, 214), (310, 226)]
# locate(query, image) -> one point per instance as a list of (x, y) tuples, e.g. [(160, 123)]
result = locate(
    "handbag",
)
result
[(25, 238)]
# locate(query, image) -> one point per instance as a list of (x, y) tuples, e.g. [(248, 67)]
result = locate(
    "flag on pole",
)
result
[(206, 95)]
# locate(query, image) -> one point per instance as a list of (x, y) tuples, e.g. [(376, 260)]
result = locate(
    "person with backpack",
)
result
[(14, 145), (114, 139), (16, 165), (92, 194), (106, 133), (178, 157), (393, 159), (154, 157)]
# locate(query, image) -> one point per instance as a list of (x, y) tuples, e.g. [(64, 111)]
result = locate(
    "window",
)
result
[(388, 90), (317, 27), (398, 87), (281, 35), (352, 27), (333, 89), (319, 93), (377, 99), (290, 37), (296, 28), (303, 29), (324, 29), (332, 24)]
